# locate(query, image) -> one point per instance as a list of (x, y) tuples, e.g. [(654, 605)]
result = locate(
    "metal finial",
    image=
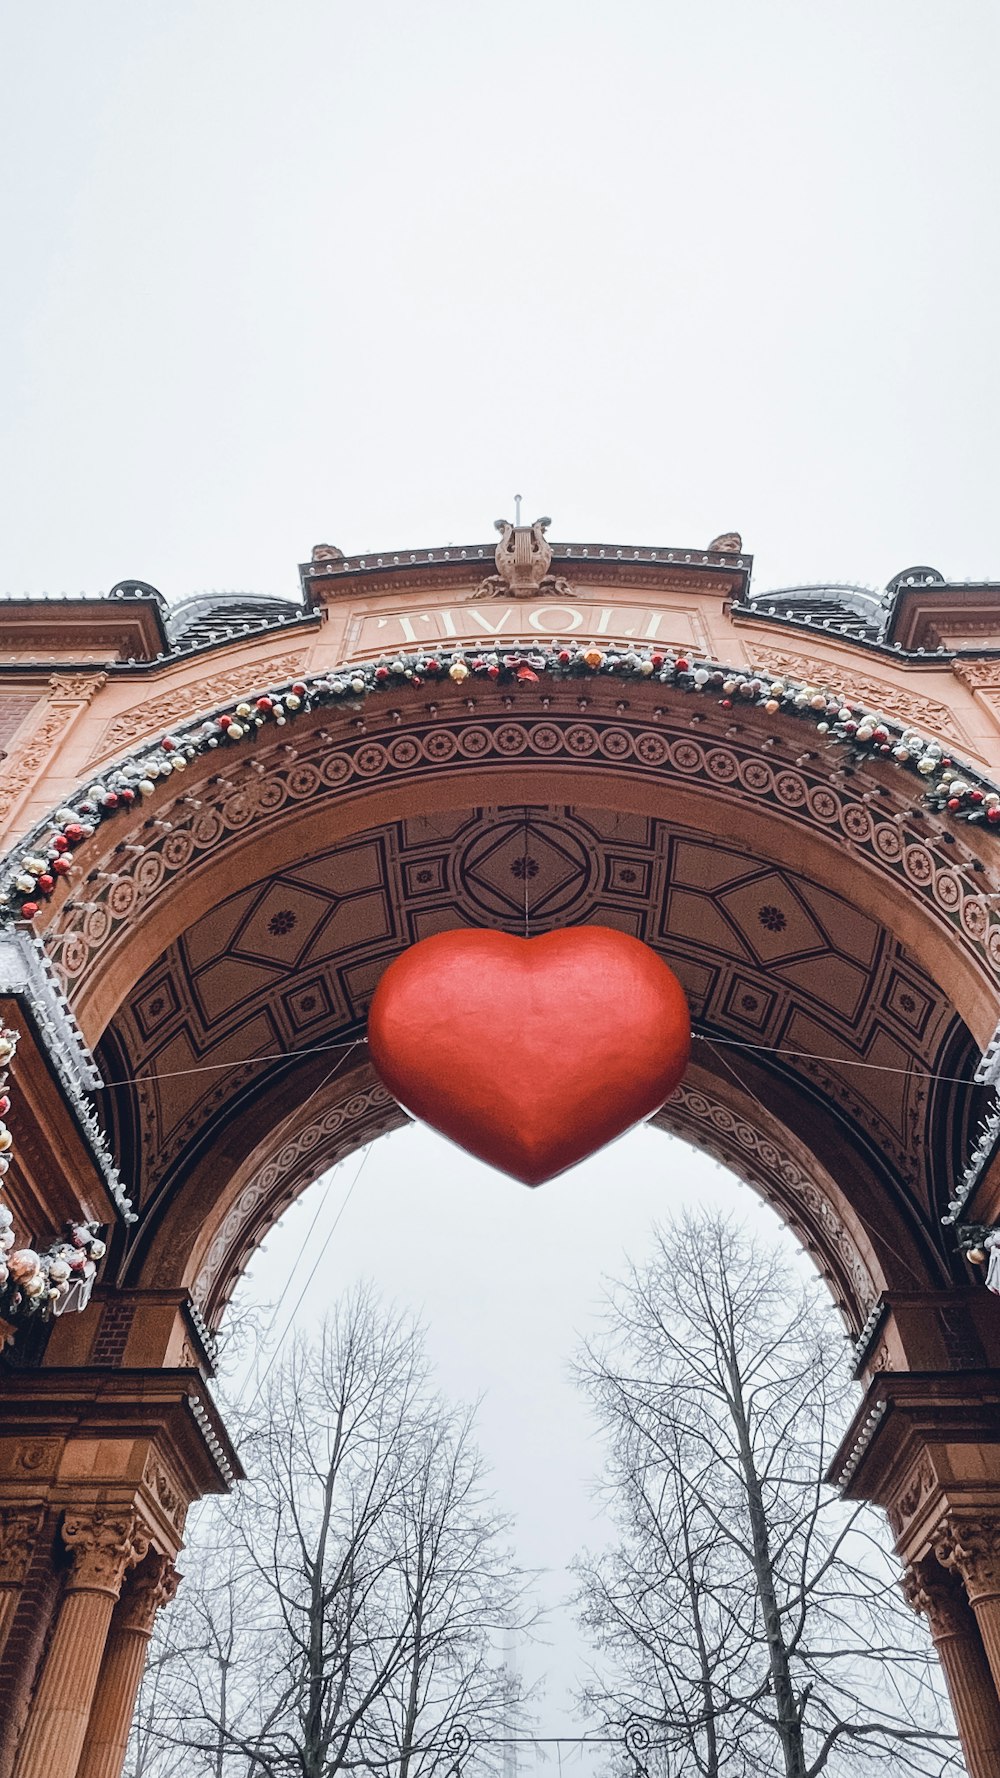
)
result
[(517, 509)]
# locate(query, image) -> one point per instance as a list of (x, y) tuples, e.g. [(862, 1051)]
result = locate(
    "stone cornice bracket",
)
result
[(937, 1596), (19, 1528), (81, 688), (153, 1585), (523, 558), (104, 1544), (971, 1547)]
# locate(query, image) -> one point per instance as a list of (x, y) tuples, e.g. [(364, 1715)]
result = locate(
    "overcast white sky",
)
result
[(277, 274), (283, 273)]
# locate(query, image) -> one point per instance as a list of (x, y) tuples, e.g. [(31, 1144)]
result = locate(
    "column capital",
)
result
[(152, 1585), (104, 1543), (970, 1545), (19, 1527), (937, 1595)]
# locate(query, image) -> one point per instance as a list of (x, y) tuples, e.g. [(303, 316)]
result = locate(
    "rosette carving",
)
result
[(104, 1544)]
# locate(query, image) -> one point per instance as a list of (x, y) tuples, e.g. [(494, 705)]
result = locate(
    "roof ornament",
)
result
[(523, 558), (728, 543)]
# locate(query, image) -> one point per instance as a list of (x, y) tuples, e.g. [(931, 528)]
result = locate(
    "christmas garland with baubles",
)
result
[(45, 857), (37, 1285)]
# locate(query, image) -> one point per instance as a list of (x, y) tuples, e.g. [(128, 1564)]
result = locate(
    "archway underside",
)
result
[(820, 1033)]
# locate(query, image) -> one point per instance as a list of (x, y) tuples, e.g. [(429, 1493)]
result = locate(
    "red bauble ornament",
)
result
[(530, 1053)]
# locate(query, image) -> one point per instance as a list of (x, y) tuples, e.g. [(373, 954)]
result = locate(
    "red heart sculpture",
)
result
[(530, 1053)]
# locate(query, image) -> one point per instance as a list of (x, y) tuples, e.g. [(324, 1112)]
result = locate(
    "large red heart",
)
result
[(530, 1053)]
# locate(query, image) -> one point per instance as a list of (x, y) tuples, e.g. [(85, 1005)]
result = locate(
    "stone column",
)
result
[(971, 1547), (153, 1584), (19, 1527), (931, 1590), (104, 1543)]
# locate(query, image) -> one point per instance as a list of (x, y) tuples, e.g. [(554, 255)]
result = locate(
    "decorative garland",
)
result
[(45, 857), (38, 1285)]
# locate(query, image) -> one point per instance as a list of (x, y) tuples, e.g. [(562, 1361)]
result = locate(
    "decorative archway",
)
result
[(206, 881)]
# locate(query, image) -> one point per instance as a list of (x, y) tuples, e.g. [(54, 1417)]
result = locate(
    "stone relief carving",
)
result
[(29, 756), (917, 1488), (923, 870), (81, 687), (19, 1528), (344, 1122), (971, 1547), (933, 1592), (882, 694), (165, 1491), (104, 1544), (523, 558), (186, 700), (760, 1158), (978, 675), (153, 1585)]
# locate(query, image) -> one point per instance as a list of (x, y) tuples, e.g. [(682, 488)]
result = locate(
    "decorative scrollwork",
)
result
[(636, 1738), (458, 1741)]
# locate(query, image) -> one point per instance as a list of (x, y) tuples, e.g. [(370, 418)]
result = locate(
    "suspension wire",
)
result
[(321, 1255), (738, 1043), (524, 872), (746, 1088), (315, 1049), (265, 1336)]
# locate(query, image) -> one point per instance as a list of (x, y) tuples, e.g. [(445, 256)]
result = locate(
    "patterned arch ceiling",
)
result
[(768, 959)]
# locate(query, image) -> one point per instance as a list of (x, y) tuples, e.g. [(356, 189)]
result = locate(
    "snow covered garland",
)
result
[(45, 857), (37, 1284)]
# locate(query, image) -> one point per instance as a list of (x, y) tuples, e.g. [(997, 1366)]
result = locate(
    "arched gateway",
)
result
[(222, 821)]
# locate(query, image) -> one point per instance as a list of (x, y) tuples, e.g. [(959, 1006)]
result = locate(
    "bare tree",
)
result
[(751, 1617), (345, 1611)]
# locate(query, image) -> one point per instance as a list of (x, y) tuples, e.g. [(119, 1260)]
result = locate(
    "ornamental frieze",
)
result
[(154, 714), (885, 695), (321, 772)]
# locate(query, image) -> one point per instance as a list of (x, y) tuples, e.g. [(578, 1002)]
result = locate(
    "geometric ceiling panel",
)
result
[(767, 958)]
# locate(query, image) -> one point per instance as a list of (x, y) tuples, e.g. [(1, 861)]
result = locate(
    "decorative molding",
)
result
[(104, 1544), (978, 675), (339, 1129), (886, 696), (971, 1546), (189, 699), (323, 771), (523, 558), (152, 1585), (938, 1597), (19, 1528), (67, 695), (758, 1156), (919, 1484)]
